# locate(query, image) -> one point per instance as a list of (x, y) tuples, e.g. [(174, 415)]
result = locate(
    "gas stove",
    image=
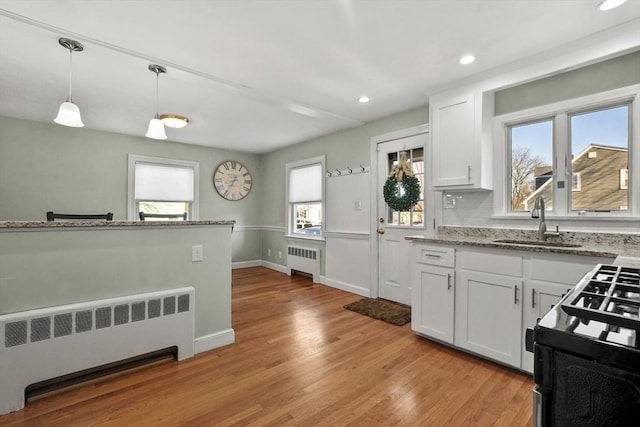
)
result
[(587, 353)]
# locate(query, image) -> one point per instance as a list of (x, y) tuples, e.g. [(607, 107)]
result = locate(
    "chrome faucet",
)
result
[(538, 212)]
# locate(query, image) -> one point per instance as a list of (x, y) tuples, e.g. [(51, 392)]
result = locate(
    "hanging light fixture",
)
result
[(69, 113), (175, 121), (156, 127)]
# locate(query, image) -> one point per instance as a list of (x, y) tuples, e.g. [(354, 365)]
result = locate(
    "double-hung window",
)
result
[(576, 155), (305, 197), (162, 186)]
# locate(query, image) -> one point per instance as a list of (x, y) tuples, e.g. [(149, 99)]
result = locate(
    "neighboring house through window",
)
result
[(305, 197), (162, 186)]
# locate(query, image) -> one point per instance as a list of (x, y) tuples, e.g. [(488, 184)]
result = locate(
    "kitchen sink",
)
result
[(538, 243)]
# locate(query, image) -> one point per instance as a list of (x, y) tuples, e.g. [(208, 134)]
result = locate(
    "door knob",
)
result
[(380, 230)]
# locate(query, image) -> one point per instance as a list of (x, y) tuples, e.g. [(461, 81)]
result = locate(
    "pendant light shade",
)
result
[(156, 127), (69, 113)]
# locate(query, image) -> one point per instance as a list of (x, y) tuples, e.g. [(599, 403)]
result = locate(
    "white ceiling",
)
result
[(256, 75)]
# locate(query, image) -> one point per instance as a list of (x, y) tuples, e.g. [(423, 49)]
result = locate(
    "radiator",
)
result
[(42, 344), (304, 260)]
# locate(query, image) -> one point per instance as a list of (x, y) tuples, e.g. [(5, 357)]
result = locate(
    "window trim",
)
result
[(132, 159), (561, 112), (289, 232)]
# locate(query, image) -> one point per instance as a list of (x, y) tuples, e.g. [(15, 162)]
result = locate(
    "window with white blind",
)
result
[(160, 186), (305, 197)]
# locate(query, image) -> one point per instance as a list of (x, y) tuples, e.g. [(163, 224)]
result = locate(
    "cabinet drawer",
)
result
[(491, 262), (434, 255)]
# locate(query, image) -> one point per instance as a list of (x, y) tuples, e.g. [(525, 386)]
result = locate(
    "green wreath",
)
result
[(394, 197)]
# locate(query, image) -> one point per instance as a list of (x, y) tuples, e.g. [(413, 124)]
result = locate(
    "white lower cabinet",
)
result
[(489, 315), (539, 297), (433, 292), (432, 302), (483, 299)]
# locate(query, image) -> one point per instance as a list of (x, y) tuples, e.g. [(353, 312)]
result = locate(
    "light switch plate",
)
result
[(197, 253)]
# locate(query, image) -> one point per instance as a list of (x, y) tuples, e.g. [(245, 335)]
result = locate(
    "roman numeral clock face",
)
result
[(232, 180)]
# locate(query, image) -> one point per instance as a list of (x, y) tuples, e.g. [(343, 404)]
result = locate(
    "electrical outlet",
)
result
[(268, 252), (279, 254), (358, 205), (196, 253)]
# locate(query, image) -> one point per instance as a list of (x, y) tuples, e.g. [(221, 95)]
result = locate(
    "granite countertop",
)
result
[(49, 225), (608, 245)]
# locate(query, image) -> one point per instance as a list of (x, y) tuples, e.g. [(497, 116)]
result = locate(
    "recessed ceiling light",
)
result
[(609, 4), (363, 99), (467, 59)]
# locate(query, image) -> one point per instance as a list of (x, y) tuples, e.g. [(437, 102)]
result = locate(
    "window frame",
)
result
[(561, 113), (132, 204), (289, 207)]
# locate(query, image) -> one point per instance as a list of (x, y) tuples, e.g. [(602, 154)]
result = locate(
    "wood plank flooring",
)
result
[(299, 359)]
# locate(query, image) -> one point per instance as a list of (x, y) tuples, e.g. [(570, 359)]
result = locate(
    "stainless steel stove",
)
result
[(587, 353)]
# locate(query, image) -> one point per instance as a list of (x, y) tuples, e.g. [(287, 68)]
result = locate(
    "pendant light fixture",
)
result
[(175, 121), (69, 113), (156, 127)]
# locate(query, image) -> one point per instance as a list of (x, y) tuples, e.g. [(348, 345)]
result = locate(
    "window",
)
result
[(414, 217), (624, 179), (162, 186), (599, 150), (531, 163), (575, 181), (575, 154), (305, 196)]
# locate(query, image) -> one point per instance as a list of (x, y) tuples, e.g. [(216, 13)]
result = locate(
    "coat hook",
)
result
[(329, 174), (362, 167), (349, 169), (338, 172)]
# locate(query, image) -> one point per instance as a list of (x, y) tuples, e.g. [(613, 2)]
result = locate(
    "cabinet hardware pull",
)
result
[(469, 172), (448, 280), (533, 297), (515, 294), (433, 256)]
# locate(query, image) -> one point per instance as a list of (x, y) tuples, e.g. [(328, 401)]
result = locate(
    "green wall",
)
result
[(45, 167), (349, 147), (62, 266), (600, 77)]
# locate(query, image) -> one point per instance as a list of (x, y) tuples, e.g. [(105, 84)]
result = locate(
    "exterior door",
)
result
[(394, 252)]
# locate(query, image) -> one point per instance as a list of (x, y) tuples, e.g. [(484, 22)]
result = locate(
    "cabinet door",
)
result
[(489, 315), (539, 297), (432, 302), (452, 133)]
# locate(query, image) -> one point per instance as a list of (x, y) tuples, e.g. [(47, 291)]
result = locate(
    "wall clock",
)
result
[(232, 180)]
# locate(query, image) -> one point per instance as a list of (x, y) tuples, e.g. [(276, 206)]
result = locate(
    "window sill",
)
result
[(316, 238), (589, 216)]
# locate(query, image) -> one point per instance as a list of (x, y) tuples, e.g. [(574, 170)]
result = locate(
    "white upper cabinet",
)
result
[(461, 140)]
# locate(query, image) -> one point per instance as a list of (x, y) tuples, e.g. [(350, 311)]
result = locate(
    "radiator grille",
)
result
[(303, 252), (40, 328)]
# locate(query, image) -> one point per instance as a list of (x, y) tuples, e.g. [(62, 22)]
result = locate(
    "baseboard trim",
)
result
[(354, 289), (245, 264), (215, 340), (276, 267)]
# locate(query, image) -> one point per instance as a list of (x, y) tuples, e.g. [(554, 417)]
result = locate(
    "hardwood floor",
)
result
[(299, 359)]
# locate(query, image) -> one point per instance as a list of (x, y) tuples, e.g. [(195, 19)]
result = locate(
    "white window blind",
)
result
[(305, 184), (163, 183)]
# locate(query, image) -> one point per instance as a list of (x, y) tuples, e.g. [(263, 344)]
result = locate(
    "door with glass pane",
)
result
[(394, 252)]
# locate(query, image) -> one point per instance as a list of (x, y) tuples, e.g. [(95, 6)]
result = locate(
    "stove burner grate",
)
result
[(610, 294)]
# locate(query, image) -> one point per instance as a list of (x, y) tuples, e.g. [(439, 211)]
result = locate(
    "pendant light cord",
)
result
[(70, 71), (157, 96)]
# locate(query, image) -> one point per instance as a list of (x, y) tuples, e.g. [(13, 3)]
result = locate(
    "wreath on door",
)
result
[(401, 191)]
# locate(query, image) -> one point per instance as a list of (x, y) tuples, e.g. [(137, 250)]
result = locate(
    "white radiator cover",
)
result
[(41, 344), (305, 260)]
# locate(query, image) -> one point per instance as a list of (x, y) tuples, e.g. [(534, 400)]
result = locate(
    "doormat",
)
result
[(387, 311)]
